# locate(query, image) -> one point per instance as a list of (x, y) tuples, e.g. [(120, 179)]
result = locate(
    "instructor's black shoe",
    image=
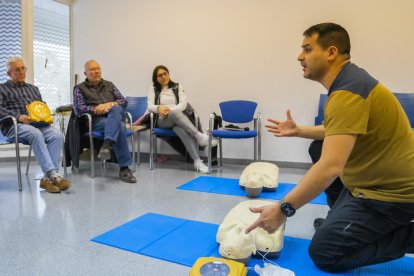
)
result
[(127, 176), (105, 152), (317, 223)]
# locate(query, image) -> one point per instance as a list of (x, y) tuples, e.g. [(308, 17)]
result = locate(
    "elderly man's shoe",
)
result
[(105, 151), (127, 176), (47, 184), (62, 183)]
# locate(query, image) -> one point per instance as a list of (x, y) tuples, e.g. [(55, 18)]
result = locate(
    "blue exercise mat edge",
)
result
[(230, 186)]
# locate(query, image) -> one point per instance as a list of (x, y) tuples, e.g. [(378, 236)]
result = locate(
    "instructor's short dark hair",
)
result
[(331, 34)]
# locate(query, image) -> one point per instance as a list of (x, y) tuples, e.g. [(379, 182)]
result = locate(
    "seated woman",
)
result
[(167, 99)]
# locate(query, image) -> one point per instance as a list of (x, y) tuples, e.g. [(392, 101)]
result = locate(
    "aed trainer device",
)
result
[(212, 266)]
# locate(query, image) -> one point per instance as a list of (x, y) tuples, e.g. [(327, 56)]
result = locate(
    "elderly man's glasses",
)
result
[(20, 69), (162, 75)]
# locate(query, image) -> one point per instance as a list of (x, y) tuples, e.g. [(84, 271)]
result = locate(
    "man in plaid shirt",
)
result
[(46, 141)]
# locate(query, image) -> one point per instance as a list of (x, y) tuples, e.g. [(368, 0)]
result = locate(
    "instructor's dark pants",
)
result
[(333, 191), (359, 232)]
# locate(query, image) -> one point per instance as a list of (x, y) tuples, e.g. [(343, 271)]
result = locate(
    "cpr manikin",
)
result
[(236, 245), (259, 176)]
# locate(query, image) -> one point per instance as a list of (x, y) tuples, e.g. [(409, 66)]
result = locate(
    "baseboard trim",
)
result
[(236, 161), (13, 159)]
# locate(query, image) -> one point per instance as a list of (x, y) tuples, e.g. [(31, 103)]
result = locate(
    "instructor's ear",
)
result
[(332, 53)]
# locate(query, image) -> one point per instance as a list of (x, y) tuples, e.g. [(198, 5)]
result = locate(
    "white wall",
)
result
[(240, 49)]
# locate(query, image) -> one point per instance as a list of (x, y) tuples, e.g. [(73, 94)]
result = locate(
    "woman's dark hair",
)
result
[(331, 34), (157, 85)]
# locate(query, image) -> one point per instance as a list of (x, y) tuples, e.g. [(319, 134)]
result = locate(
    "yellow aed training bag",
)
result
[(39, 112), (217, 266)]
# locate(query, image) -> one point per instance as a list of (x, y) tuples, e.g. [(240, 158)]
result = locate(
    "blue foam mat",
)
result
[(183, 241), (230, 186)]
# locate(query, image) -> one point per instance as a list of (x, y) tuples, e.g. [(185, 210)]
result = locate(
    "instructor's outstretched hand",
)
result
[(271, 218), (286, 128)]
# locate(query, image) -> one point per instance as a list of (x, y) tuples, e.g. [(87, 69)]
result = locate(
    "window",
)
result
[(10, 33), (51, 50)]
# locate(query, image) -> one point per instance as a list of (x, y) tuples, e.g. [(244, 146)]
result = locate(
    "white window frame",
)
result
[(27, 38)]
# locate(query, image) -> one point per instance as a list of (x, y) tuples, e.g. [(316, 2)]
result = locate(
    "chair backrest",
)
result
[(322, 101), (137, 106), (407, 102), (238, 111)]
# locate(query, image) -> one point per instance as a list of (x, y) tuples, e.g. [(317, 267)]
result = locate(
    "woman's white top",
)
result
[(167, 98)]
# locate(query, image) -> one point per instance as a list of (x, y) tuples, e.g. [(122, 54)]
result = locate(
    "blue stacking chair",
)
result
[(406, 100), (137, 106), (322, 101), (157, 132), (100, 136), (160, 133), (4, 141), (237, 112)]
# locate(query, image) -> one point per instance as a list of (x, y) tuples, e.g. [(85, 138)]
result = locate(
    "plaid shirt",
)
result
[(81, 107), (13, 100)]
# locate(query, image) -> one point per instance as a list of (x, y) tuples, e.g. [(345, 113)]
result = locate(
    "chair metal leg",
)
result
[(255, 148), (28, 160), (259, 136), (210, 140), (259, 148), (92, 154), (152, 151), (138, 148), (65, 170), (134, 164), (221, 151), (154, 159), (16, 145), (256, 121), (62, 129), (19, 173)]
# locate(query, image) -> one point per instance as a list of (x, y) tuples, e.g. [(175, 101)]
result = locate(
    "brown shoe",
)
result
[(47, 184), (62, 183), (127, 176)]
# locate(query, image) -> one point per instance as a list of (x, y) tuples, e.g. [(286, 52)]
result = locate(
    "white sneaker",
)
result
[(200, 167), (202, 140)]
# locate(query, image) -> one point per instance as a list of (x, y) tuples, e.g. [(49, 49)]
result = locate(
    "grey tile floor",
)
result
[(49, 234)]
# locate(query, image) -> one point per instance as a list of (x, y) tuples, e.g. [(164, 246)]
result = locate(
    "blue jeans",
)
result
[(46, 144), (113, 128)]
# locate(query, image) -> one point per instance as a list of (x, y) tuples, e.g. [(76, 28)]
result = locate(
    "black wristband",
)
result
[(287, 208)]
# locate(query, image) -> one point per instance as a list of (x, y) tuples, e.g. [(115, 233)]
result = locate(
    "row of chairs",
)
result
[(234, 112)]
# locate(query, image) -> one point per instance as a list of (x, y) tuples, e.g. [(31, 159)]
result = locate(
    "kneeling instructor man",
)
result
[(369, 143)]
